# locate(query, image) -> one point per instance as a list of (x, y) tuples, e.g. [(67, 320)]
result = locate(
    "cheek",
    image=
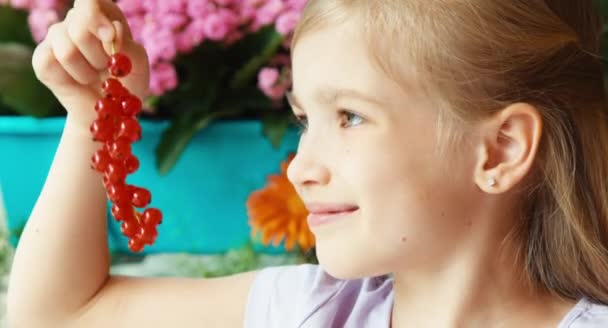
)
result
[(405, 192)]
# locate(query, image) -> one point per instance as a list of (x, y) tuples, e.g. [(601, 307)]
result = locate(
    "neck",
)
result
[(474, 289)]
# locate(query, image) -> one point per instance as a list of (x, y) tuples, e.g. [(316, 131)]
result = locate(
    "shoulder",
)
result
[(289, 296), (587, 314)]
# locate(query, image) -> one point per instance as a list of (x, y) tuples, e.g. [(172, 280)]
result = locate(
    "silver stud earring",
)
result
[(491, 182)]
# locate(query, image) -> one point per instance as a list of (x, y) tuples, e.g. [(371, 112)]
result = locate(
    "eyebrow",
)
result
[(330, 96)]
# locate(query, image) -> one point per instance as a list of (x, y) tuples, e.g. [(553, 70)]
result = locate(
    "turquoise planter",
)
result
[(202, 198)]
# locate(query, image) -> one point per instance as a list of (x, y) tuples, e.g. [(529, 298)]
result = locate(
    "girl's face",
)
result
[(372, 144)]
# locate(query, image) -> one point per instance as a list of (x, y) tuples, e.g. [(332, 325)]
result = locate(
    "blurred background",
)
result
[(217, 134)]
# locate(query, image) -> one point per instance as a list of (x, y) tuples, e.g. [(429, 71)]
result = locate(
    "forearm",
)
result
[(62, 259)]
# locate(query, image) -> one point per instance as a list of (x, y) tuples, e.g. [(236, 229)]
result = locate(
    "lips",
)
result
[(321, 214)]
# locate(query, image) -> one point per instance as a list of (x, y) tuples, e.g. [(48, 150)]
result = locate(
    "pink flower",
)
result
[(217, 25), (272, 84), (171, 20), (21, 4), (199, 8), (225, 3), (191, 36), (176, 6), (136, 24), (159, 43), (268, 77), (286, 23), (167, 28), (296, 4), (163, 78), (150, 5), (246, 14), (253, 3), (48, 4), (39, 21), (269, 12), (130, 7)]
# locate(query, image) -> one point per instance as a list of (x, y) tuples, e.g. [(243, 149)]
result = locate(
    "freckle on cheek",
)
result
[(403, 239)]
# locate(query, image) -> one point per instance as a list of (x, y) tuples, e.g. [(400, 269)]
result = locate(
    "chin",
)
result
[(346, 265)]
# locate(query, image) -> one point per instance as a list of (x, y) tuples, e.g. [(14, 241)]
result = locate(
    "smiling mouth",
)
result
[(316, 219)]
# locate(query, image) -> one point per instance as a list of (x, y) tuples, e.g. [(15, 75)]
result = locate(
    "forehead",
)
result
[(338, 56)]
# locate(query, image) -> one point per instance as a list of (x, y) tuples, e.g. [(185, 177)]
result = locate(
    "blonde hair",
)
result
[(475, 58)]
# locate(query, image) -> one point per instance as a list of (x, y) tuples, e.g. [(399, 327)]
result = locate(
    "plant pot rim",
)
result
[(28, 125)]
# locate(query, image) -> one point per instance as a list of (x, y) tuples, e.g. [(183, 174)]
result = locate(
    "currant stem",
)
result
[(136, 215), (113, 48)]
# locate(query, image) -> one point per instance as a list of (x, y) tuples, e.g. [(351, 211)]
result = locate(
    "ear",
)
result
[(508, 144)]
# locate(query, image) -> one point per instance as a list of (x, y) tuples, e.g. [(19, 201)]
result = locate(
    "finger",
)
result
[(114, 13), (98, 23), (120, 31), (70, 58), (88, 44), (47, 69)]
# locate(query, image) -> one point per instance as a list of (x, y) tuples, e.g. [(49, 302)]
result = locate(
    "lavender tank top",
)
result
[(305, 296)]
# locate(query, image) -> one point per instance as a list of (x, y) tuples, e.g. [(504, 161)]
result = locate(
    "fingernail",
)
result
[(105, 33)]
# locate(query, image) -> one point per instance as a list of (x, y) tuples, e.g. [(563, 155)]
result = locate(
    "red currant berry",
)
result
[(131, 164), (120, 148), (129, 128), (104, 115), (106, 181), (117, 192), (129, 228), (147, 235), (123, 211), (131, 105), (102, 130), (135, 245), (141, 197), (119, 65), (116, 172), (108, 105), (113, 88), (152, 217), (100, 160)]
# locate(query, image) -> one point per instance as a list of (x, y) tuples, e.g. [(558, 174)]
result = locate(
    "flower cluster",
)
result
[(42, 14), (167, 28)]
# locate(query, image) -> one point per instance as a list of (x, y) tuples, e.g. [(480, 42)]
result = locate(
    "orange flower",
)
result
[(279, 214)]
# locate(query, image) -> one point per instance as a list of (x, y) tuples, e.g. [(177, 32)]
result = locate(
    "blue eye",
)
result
[(352, 119)]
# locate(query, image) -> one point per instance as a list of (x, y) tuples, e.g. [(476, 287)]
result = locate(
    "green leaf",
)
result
[(4, 109), (200, 72), (259, 49), (275, 126), (19, 87), (14, 26), (246, 99)]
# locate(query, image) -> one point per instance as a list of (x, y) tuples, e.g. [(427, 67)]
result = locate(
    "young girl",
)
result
[(458, 146)]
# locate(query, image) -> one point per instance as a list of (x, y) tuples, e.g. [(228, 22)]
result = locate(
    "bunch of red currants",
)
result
[(117, 128)]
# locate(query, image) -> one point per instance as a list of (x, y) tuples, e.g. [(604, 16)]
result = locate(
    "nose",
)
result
[(307, 169)]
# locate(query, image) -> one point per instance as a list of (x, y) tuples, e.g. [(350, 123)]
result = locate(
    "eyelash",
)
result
[(302, 121)]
